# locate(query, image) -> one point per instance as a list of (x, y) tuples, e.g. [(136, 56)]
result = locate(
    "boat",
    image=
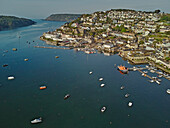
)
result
[(130, 104), (127, 95), (100, 79), (168, 91), (134, 69), (11, 78), (14, 49), (43, 87), (25, 59), (152, 71), (35, 121), (122, 87), (102, 85), (66, 96), (90, 72), (103, 109), (5, 65), (87, 52), (145, 72), (160, 76), (151, 81), (158, 82), (123, 69), (56, 56)]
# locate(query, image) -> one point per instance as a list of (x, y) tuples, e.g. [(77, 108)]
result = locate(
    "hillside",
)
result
[(11, 22), (62, 17)]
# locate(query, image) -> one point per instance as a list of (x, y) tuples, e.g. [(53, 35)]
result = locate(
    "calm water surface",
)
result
[(21, 100)]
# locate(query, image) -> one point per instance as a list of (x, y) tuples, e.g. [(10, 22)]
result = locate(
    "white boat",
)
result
[(100, 79), (152, 71), (151, 81), (130, 104), (168, 91), (122, 87), (147, 66), (102, 85), (25, 59), (160, 76), (90, 72), (143, 74), (134, 69), (145, 71), (66, 96), (35, 121), (158, 82), (103, 109), (127, 95), (11, 78)]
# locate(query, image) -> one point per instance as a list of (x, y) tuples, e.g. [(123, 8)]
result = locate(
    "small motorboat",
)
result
[(14, 49), (145, 72), (25, 59), (5, 65), (103, 109), (151, 81), (160, 76), (43, 87), (102, 85), (168, 91), (66, 96), (130, 104), (35, 121), (90, 72), (158, 82), (122, 87), (100, 79), (127, 95), (11, 78), (56, 56)]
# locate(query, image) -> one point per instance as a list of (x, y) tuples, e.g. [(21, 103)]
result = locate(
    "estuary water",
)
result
[(21, 100)]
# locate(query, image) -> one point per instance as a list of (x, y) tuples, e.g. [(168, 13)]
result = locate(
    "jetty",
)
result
[(131, 69), (145, 74), (50, 47)]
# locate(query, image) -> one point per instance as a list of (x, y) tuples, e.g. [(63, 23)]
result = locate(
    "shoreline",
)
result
[(106, 52)]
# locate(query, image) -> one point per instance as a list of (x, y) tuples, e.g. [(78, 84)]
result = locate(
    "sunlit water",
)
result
[(21, 100)]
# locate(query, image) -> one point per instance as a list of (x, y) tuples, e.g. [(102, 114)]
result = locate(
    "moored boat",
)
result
[(66, 96), (123, 69), (90, 72), (122, 87), (11, 78), (130, 104), (168, 91), (35, 121), (43, 87), (103, 109), (102, 85), (100, 79), (5, 65), (127, 95), (158, 82)]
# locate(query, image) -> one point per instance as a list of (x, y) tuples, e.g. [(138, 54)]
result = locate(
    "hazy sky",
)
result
[(43, 8)]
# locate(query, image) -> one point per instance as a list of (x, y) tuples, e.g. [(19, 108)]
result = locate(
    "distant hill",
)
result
[(11, 22), (63, 17)]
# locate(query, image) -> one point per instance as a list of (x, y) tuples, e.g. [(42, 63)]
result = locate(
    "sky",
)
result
[(40, 9)]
